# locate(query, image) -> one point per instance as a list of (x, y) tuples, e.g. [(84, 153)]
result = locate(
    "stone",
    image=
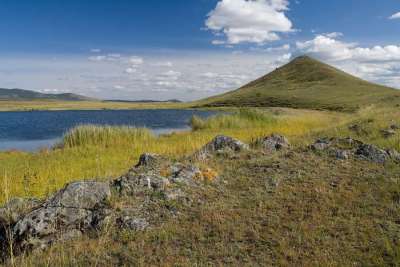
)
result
[(16, 208), (148, 159), (320, 145), (133, 183), (395, 127), (132, 223), (274, 143), (342, 154), (372, 153), (76, 208), (221, 143), (187, 174)]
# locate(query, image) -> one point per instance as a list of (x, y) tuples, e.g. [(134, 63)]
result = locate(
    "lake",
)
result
[(32, 130)]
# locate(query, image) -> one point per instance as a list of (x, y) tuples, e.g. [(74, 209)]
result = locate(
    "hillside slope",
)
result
[(21, 94), (306, 83)]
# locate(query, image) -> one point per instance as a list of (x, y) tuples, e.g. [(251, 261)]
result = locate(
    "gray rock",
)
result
[(274, 142), (320, 145), (342, 154), (133, 183), (13, 210), (395, 127), (220, 143), (148, 159), (78, 207), (372, 153), (132, 223), (187, 174)]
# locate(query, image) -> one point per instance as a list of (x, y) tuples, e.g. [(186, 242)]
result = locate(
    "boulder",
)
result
[(187, 174), (76, 208), (394, 155), (132, 183), (395, 127), (132, 223), (221, 143), (274, 142), (320, 145), (372, 153)]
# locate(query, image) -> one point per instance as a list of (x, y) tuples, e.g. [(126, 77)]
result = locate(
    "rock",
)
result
[(388, 133), (342, 154), (148, 159), (395, 127), (76, 208), (220, 143), (357, 129), (320, 145), (131, 223), (13, 210), (187, 174), (372, 153), (274, 142), (133, 183)]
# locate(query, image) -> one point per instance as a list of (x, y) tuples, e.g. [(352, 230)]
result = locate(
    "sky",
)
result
[(188, 49)]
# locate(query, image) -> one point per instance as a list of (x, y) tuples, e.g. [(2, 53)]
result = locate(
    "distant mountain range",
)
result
[(306, 83), (21, 95)]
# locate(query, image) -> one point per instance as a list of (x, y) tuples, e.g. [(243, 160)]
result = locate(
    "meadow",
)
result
[(101, 152)]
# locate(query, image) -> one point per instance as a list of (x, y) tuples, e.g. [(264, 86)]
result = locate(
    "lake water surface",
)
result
[(31, 130)]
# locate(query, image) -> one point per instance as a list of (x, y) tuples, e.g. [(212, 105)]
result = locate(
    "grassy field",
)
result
[(103, 152), (81, 105), (307, 83), (293, 208)]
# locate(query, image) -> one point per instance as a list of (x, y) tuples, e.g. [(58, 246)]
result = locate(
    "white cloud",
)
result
[(95, 50), (97, 58), (130, 70), (134, 60), (163, 64), (395, 16), (255, 21)]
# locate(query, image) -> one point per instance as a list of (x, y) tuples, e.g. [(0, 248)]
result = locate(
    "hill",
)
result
[(24, 95), (306, 83)]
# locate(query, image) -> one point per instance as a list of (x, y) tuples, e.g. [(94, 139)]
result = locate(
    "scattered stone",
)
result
[(395, 127), (388, 133), (132, 183), (131, 223), (320, 145), (181, 173), (372, 153), (342, 154), (218, 144), (148, 159), (274, 143)]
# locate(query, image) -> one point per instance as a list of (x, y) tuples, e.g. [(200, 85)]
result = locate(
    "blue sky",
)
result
[(188, 49)]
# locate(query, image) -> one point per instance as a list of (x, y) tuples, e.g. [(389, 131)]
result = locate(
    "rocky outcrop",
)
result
[(346, 148), (220, 144), (70, 212), (273, 143)]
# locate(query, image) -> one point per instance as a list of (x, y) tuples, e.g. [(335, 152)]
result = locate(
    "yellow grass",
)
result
[(94, 152)]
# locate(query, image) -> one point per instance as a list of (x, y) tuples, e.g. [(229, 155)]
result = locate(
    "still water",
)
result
[(33, 130)]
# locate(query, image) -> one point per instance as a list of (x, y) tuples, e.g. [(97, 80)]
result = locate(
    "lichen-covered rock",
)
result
[(372, 153), (13, 210), (220, 143), (320, 145), (132, 223), (148, 159), (187, 174), (133, 183), (394, 155), (341, 154), (274, 142), (76, 208)]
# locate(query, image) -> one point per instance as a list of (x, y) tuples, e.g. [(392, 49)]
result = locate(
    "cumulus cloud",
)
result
[(134, 60), (395, 16), (251, 21)]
